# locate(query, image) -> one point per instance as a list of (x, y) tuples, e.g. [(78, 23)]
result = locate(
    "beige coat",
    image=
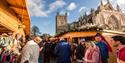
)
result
[(30, 52)]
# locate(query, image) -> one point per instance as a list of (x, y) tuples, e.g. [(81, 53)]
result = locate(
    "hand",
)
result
[(83, 58), (41, 48)]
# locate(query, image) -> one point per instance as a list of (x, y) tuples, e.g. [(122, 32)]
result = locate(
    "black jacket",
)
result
[(47, 49), (80, 52)]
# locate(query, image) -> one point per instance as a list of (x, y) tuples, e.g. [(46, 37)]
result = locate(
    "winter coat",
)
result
[(47, 49), (30, 52), (121, 55), (63, 52), (103, 50), (92, 55), (80, 52)]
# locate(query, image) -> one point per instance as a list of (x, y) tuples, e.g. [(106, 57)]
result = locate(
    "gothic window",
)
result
[(62, 23), (113, 23)]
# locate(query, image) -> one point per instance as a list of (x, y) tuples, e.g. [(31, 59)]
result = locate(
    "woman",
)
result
[(92, 54)]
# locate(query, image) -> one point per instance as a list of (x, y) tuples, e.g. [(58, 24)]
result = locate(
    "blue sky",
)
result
[(43, 12)]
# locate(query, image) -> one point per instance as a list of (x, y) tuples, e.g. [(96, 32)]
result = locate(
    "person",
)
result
[(103, 48), (30, 52), (73, 56), (63, 52), (80, 50), (119, 42), (54, 43), (40, 60), (105, 41), (28, 38), (47, 51), (92, 54)]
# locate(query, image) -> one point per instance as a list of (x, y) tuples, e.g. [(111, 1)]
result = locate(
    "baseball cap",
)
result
[(82, 40)]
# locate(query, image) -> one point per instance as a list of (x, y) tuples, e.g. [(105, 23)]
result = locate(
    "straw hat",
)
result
[(5, 35)]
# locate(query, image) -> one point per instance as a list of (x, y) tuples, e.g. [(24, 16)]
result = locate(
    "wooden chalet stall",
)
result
[(88, 35), (14, 17), (74, 37)]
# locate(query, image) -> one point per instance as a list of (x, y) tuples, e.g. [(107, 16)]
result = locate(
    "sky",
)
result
[(42, 12)]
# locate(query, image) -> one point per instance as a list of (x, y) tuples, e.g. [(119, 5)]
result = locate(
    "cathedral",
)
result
[(105, 17)]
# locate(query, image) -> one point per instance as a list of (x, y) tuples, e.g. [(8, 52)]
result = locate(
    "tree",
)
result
[(35, 30)]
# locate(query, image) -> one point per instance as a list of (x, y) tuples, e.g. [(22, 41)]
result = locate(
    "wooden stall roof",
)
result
[(20, 8), (77, 34), (4, 30)]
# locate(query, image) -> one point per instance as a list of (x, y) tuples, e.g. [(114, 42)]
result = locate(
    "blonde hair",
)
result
[(92, 44)]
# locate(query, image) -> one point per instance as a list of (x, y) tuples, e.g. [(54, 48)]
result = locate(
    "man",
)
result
[(119, 42), (63, 52), (80, 51), (47, 51), (41, 53), (30, 52), (103, 48), (54, 43)]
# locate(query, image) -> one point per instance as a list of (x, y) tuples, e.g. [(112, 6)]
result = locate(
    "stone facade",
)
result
[(105, 17), (61, 23)]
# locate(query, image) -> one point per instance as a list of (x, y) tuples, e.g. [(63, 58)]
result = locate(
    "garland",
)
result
[(96, 29)]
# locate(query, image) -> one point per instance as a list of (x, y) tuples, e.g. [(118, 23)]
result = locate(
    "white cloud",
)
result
[(120, 2), (72, 6), (36, 8), (57, 4), (63, 12), (105, 1), (82, 8), (88, 12)]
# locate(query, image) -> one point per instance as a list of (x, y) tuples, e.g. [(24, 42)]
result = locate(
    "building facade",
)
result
[(61, 23), (105, 17)]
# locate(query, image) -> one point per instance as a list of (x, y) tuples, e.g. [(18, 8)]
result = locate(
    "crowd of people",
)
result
[(9, 48), (97, 51), (57, 50)]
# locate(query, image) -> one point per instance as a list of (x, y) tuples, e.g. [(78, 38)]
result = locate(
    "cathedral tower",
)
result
[(61, 22)]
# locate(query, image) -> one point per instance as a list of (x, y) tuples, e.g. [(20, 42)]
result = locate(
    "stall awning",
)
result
[(8, 21)]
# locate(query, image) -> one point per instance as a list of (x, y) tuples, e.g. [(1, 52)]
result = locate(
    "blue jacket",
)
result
[(63, 52), (103, 50)]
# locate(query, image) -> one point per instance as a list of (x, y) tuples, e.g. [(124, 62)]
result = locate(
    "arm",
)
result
[(95, 57), (41, 48), (88, 54), (70, 51), (78, 52), (56, 49)]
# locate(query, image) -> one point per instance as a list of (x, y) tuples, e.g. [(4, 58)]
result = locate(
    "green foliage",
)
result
[(35, 30)]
